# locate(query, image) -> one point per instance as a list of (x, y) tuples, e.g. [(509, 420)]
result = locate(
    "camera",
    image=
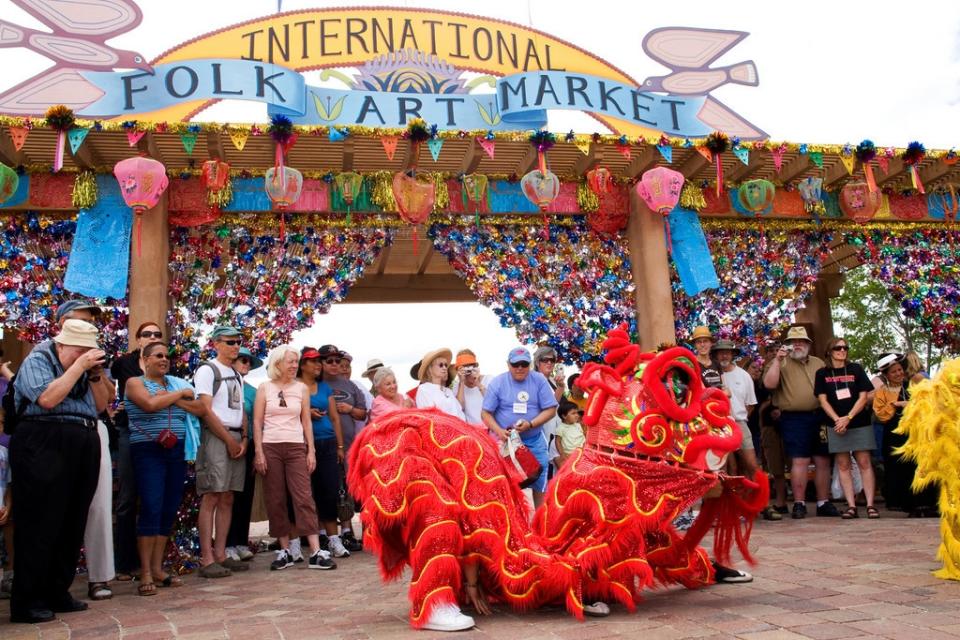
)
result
[(468, 370)]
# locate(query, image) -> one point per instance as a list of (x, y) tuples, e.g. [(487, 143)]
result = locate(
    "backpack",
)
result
[(217, 376), (12, 410)]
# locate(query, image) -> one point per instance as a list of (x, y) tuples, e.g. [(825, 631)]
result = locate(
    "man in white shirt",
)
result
[(221, 462), (738, 386)]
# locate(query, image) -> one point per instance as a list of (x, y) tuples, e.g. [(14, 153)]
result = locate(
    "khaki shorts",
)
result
[(774, 458), (746, 443), (217, 472)]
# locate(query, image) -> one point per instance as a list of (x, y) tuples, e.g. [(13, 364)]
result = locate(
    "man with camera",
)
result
[(55, 457)]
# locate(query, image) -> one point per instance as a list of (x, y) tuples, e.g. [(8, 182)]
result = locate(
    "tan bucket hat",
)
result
[(78, 333)]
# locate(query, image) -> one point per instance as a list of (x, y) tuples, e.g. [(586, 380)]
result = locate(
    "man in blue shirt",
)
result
[(523, 400)]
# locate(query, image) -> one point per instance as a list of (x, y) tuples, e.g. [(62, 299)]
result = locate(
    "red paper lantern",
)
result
[(142, 182), (660, 188), (414, 201), (599, 180), (215, 174), (858, 202)]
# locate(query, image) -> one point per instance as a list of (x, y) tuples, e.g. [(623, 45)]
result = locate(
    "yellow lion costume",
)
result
[(931, 422)]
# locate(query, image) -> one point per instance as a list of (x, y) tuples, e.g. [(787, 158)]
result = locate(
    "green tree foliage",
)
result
[(871, 320)]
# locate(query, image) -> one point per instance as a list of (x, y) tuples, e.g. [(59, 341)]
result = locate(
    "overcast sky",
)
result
[(830, 72)]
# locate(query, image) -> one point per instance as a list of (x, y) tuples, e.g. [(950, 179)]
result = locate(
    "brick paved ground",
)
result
[(817, 578)]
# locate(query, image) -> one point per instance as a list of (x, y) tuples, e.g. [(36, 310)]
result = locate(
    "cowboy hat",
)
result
[(428, 359), (725, 345), (701, 332)]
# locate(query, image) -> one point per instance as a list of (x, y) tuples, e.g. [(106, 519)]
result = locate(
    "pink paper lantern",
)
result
[(541, 187), (142, 182), (660, 189)]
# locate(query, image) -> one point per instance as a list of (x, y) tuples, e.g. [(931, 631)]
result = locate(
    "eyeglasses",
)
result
[(548, 360), (160, 356), (232, 343), (243, 360), (520, 365), (841, 347), (332, 361), (442, 365), (151, 334), (283, 401)]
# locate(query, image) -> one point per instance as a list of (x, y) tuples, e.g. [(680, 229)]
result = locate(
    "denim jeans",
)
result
[(160, 476)]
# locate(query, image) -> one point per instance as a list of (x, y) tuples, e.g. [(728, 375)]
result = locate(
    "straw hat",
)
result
[(701, 332), (428, 359), (78, 333), (797, 333), (372, 366)]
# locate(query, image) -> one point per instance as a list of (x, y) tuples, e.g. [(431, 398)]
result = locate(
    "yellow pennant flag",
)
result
[(239, 138), (583, 145), (849, 162)]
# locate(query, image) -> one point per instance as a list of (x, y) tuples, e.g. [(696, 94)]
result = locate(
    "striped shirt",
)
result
[(146, 426), (36, 373)]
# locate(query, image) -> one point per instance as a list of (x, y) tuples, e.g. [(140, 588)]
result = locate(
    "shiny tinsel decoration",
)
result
[(441, 194), (692, 197), (84, 190), (221, 198), (183, 548), (587, 200), (382, 192)]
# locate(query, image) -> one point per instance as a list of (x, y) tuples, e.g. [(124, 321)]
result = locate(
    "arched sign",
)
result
[(411, 63)]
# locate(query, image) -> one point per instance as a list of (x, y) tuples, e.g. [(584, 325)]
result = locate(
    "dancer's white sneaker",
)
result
[(448, 617)]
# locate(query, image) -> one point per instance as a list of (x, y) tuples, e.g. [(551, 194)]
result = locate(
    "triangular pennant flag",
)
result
[(884, 163), (488, 146), (666, 151), (743, 154), (778, 158), (292, 140), (76, 136), (336, 135), (189, 140), (389, 145), (583, 145), (19, 136), (817, 158), (706, 153), (435, 144), (133, 136), (849, 162), (625, 150), (239, 138)]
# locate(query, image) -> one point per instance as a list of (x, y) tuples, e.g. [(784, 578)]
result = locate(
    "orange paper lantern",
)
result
[(858, 202)]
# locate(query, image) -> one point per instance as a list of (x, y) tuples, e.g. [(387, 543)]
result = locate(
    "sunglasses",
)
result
[(841, 347), (520, 365), (243, 360), (442, 365), (283, 401), (160, 356), (232, 343), (151, 334), (548, 360), (332, 361)]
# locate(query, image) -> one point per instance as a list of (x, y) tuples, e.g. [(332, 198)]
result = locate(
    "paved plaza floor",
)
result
[(819, 578)]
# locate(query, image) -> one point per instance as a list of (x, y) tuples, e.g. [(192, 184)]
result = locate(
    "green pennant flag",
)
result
[(817, 158), (189, 141)]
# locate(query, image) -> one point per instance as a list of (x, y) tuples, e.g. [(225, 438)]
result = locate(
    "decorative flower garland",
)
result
[(759, 290), (34, 250), (921, 268), (242, 275), (567, 291)]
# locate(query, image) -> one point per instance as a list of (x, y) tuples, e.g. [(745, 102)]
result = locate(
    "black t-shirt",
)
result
[(842, 387), (710, 374), (124, 368)]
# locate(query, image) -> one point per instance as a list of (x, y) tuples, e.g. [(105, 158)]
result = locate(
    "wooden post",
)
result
[(651, 275), (816, 315), (149, 272)]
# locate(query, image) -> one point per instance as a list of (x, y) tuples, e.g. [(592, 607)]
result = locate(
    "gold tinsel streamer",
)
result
[(267, 223), (84, 190), (220, 199), (586, 198), (442, 194), (382, 192), (692, 197)]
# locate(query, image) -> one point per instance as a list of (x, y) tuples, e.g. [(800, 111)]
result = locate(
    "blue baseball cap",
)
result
[(520, 354), (76, 305)]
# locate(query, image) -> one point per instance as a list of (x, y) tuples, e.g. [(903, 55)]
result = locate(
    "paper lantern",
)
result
[(599, 180), (9, 181), (414, 201), (756, 196), (349, 185), (858, 202), (660, 188), (541, 187), (214, 174), (810, 191), (474, 192), (283, 189), (142, 183)]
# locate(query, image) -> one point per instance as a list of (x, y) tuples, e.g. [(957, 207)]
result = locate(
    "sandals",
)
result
[(873, 513), (850, 513), (99, 591), (170, 581), (147, 589), (124, 577)]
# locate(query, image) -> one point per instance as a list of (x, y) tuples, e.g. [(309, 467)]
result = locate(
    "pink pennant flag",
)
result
[(884, 163), (624, 150), (19, 136), (389, 145), (488, 146), (778, 157), (133, 136)]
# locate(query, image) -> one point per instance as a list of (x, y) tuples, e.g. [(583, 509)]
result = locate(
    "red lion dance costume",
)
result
[(437, 495)]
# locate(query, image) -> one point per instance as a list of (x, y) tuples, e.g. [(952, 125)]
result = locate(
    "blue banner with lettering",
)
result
[(100, 254)]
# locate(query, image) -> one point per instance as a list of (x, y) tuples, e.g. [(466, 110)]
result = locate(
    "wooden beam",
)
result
[(528, 162), (586, 162), (427, 256), (929, 175), (215, 148), (410, 288), (744, 171), (794, 169), (640, 161), (86, 156), (147, 144), (349, 150), (9, 154), (472, 158), (384, 258), (896, 167), (836, 173), (693, 165)]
